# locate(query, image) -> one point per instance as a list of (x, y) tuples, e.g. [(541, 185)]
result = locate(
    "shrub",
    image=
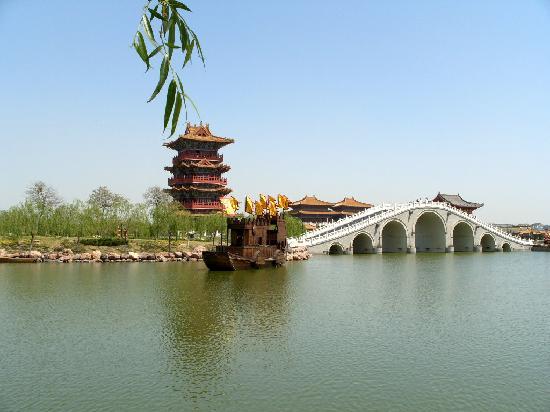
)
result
[(104, 241), (294, 226)]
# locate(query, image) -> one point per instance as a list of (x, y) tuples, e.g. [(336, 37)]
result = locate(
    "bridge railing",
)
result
[(379, 213), (344, 221)]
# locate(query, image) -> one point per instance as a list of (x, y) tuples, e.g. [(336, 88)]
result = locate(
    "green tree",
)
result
[(109, 209), (294, 226), (40, 203)]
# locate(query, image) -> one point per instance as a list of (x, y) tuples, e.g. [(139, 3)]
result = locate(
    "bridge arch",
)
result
[(362, 243), (429, 232), (336, 249), (463, 237), (394, 237), (488, 243), (506, 247)]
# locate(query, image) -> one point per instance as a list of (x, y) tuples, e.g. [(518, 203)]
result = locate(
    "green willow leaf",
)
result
[(154, 52), (164, 67), (172, 46), (155, 13), (178, 5), (199, 49), (184, 36), (186, 97), (190, 47), (172, 34), (179, 83), (170, 96), (141, 49), (148, 29), (176, 115), (165, 18)]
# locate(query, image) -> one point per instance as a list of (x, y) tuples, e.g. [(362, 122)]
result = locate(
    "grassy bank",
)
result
[(58, 244)]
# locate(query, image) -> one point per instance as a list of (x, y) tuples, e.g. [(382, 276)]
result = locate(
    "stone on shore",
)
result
[(96, 255), (197, 252), (35, 254), (298, 253)]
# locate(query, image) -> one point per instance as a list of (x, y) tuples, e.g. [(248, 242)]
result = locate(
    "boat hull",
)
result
[(225, 261), (17, 260)]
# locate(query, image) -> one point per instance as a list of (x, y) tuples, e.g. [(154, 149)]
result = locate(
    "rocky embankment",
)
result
[(67, 255), (298, 253)]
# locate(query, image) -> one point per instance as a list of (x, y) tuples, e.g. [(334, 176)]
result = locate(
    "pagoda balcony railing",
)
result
[(201, 204), (191, 155), (197, 179)]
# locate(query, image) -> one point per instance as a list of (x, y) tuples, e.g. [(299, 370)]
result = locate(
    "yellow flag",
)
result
[(283, 202), (228, 208), (272, 207), (248, 205), (271, 199), (259, 208), (263, 201), (235, 203)]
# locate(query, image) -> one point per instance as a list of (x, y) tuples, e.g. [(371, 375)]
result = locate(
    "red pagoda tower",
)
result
[(197, 181)]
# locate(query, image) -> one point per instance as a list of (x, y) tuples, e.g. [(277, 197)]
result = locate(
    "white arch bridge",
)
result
[(410, 227)]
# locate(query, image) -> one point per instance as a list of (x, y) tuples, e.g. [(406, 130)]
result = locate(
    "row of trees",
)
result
[(104, 214), (107, 214)]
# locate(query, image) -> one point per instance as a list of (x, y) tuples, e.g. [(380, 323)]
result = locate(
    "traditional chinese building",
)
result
[(458, 202), (197, 169), (350, 206), (309, 209)]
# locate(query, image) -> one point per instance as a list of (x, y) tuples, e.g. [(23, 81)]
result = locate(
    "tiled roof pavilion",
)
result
[(351, 202), (457, 201), (310, 201)]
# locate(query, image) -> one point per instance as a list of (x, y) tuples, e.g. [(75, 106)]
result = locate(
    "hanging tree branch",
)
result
[(163, 17)]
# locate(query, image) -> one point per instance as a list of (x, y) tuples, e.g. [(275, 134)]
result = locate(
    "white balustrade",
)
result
[(377, 214)]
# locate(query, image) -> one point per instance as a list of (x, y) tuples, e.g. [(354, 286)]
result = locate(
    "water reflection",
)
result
[(424, 332), (204, 313)]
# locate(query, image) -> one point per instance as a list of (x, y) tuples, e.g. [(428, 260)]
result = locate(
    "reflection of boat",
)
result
[(17, 260), (255, 243)]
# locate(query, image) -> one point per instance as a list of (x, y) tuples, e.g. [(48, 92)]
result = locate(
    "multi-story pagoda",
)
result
[(197, 169)]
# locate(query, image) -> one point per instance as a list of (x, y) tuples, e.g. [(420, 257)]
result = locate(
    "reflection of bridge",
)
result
[(410, 227)]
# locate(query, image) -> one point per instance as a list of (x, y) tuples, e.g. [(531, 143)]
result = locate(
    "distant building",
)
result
[(309, 209), (537, 226), (350, 206), (197, 169), (458, 202)]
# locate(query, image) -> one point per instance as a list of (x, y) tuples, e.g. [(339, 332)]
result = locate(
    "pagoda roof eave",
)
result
[(458, 201), (198, 133)]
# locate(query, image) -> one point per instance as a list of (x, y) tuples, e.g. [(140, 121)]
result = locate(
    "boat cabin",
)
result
[(260, 231)]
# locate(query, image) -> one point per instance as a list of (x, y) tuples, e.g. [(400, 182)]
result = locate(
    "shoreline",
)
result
[(101, 257), (97, 256)]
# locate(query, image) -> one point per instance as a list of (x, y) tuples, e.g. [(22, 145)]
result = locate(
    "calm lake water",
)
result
[(377, 332)]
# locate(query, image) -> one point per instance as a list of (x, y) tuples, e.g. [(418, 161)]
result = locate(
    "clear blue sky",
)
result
[(382, 100)]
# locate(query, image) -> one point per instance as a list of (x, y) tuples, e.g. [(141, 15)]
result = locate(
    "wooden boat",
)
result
[(5, 259), (254, 243)]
